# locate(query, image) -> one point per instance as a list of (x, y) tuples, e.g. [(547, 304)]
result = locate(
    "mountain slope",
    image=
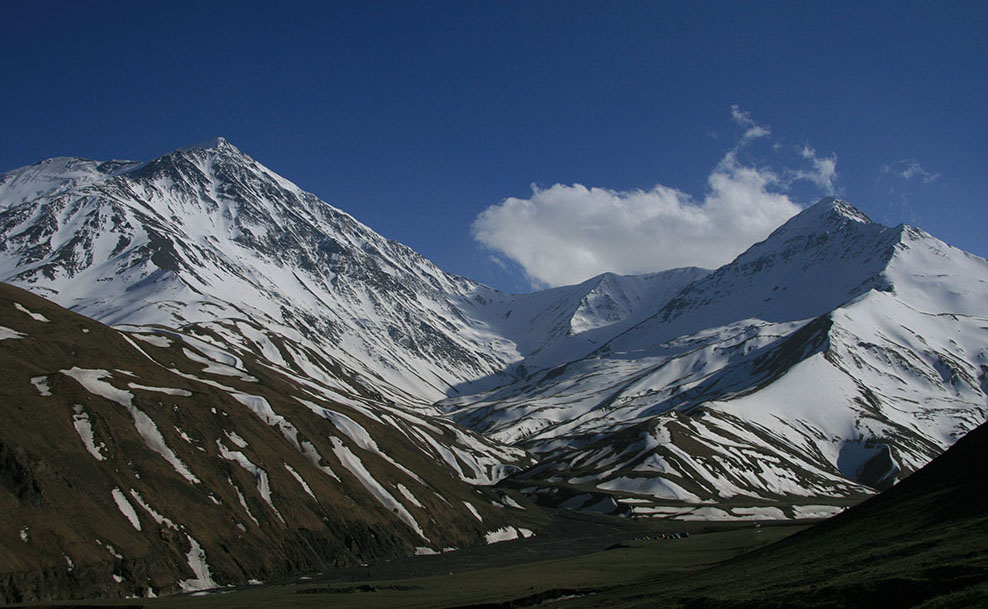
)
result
[(207, 233), (922, 543), (825, 362), (152, 461), (830, 359), (560, 325)]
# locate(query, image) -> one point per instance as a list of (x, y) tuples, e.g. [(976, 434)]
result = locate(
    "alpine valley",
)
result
[(211, 377)]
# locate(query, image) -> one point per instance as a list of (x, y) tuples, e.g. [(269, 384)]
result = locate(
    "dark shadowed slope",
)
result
[(152, 461), (923, 543)]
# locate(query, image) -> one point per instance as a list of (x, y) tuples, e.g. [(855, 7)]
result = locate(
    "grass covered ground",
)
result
[(638, 560)]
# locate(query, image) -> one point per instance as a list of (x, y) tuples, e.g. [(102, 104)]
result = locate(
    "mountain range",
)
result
[(240, 352)]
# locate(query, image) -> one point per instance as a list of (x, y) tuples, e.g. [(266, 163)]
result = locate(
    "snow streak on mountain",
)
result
[(150, 461), (826, 362), (206, 233), (833, 358)]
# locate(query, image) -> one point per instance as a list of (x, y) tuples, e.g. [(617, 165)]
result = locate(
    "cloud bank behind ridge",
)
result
[(564, 234)]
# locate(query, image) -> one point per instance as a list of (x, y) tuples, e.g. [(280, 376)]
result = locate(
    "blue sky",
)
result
[(532, 143)]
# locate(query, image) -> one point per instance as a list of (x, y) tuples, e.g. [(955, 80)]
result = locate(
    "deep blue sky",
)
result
[(417, 116)]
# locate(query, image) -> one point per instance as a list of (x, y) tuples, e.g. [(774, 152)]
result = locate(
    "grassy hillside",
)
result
[(923, 543), (150, 462)]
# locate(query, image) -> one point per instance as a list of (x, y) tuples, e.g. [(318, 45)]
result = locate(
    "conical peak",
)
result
[(834, 208), (825, 216), (217, 144)]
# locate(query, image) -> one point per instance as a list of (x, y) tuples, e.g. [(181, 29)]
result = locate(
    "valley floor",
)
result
[(581, 552), (920, 556)]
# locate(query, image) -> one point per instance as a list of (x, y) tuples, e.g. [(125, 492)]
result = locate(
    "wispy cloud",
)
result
[(909, 169), (564, 234), (752, 129), (822, 171)]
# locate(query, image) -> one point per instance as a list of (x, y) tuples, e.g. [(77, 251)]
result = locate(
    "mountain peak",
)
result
[(218, 143), (834, 207), (828, 215)]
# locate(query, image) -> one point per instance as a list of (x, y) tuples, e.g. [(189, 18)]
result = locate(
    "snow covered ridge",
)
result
[(829, 360), (206, 233)]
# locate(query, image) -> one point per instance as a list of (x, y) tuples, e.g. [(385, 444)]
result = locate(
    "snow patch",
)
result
[(236, 439), (147, 508), (92, 381), (300, 480), (408, 495), (705, 513), (166, 390), (34, 316), (658, 487), (243, 501), (126, 508), (815, 511), (510, 502), (473, 510), (508, 533), (261, 476), (41, 384), (6, 333), (758, 513), (356, 467), (196, 558), (358, 434), (154, 339), (213, 367), (80, 420)]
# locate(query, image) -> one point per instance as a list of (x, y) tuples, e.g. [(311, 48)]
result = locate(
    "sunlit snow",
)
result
[(7, 333), (92, 381), (126, 508), (34, 316)]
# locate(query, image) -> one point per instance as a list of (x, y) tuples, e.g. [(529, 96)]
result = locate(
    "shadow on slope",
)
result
[(922, 543)]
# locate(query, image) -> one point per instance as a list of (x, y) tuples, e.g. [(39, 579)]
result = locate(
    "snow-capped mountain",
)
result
[(827, 361), (564, 324), (830, 359), (206, 233)]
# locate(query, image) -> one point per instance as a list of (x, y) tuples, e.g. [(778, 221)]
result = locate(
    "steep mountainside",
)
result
[(834, 357), (207, 233), (151, 461), (564, 324), (830, 360), (923, 543)]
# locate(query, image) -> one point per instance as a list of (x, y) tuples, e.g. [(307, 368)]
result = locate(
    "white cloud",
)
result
[(909, 169), (564, 234), (752, 129), (823, 172)]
